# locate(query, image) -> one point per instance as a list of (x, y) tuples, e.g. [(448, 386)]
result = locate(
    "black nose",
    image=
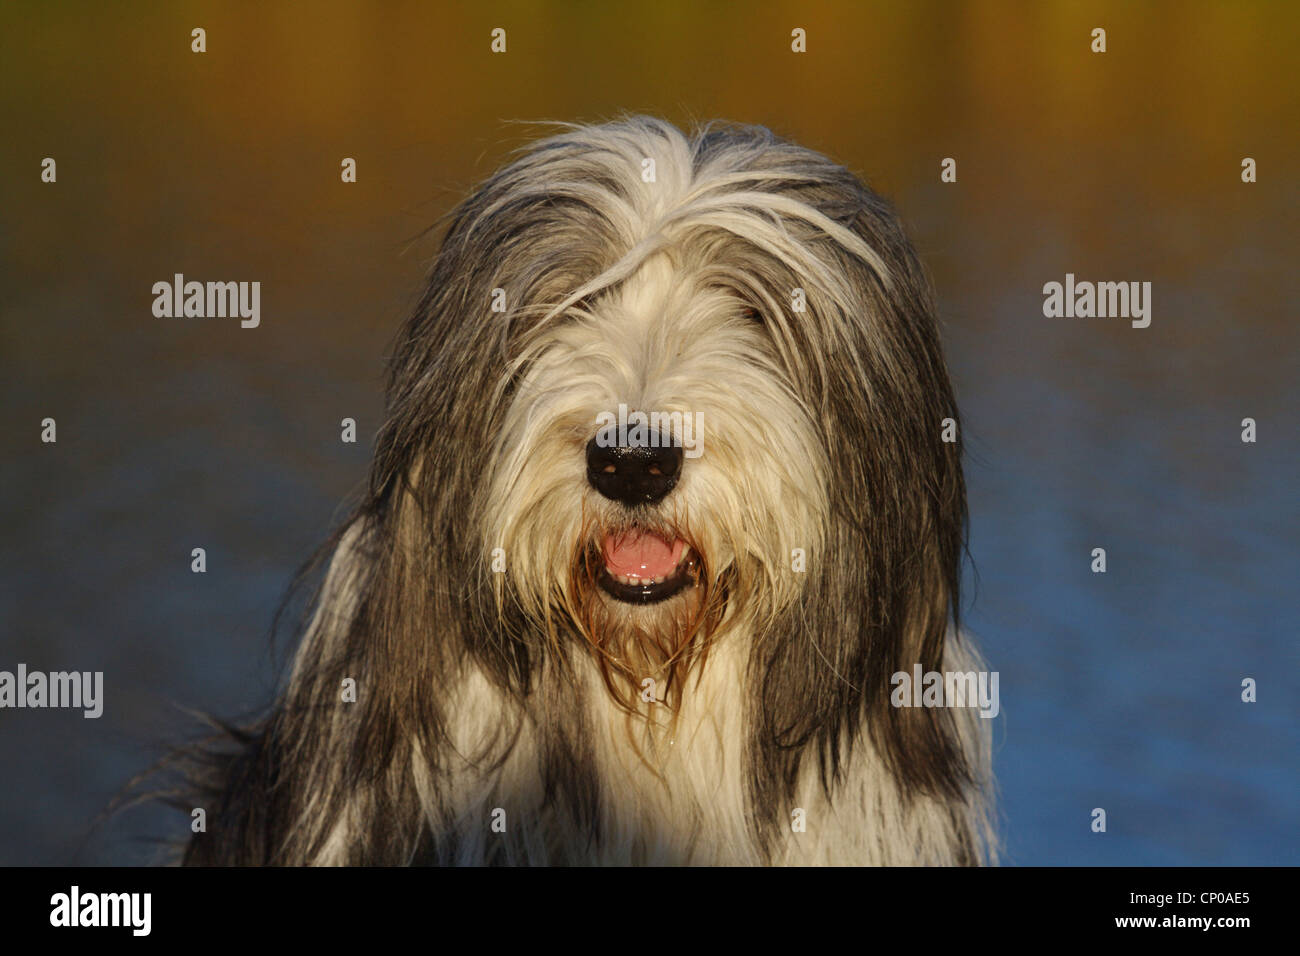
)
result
[(634, 474)]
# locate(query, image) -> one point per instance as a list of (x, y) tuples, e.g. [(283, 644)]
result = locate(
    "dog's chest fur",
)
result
[(490, 802), (681, 802)]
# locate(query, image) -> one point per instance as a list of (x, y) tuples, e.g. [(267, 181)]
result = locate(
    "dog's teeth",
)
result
[(659, 580)]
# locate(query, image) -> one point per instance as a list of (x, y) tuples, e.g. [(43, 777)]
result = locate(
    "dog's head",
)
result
[(663, 390)]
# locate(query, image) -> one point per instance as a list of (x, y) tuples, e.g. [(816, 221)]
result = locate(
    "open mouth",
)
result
[(642, 568)]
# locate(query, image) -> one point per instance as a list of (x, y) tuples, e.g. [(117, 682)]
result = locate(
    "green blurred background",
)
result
[(1118, 691)]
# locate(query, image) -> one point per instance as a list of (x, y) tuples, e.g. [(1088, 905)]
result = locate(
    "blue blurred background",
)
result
[(1119, 690)]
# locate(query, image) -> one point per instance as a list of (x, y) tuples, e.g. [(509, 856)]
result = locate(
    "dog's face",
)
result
[(649, 537), (656, 410)]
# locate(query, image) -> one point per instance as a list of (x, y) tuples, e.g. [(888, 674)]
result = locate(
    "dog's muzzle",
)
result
[(640, 566)]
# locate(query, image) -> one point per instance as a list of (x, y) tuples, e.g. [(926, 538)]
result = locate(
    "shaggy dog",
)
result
[(661, 503)]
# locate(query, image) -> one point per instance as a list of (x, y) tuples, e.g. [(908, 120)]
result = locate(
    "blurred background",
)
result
[(1119, 690)]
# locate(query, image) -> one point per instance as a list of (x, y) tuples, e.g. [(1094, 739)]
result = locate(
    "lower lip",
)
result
[(648, 592)]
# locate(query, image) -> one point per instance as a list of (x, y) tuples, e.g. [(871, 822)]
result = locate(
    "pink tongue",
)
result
[(641, 555)]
